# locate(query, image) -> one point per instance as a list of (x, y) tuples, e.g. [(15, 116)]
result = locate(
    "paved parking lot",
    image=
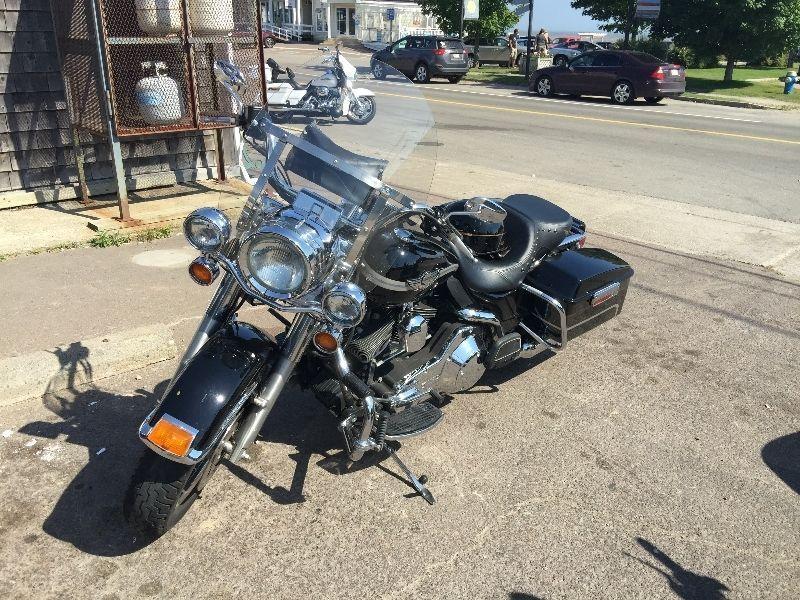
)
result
[(654, 458)]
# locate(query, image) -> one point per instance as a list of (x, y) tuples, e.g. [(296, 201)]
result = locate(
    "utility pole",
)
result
[(530, 34), (461, 24)]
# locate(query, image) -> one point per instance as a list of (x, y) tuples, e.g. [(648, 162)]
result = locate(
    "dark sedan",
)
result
[(622, 76)]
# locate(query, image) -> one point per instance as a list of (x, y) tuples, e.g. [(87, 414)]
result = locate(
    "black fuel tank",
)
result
[(399, 266)]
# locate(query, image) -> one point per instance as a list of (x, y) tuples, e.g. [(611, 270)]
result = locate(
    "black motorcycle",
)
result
[(396, 305)]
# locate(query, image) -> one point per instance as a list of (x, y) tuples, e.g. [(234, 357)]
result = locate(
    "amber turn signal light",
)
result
[(172, 435), (326, 342), (203, 270)]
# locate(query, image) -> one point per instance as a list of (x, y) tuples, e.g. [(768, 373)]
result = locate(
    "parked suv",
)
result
[(490, 50), (421, 57)]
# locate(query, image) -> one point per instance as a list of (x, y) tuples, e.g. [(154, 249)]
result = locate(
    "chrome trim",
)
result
[(555, 346), (571, 239), (214, 217), (210, 264), (476, 315), (354, 293), (415, 333), (364, 442)]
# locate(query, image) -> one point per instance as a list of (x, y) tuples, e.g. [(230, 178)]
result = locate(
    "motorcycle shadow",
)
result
[(88, 514)]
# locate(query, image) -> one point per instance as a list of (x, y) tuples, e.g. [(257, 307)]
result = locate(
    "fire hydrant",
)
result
[(790, 81)]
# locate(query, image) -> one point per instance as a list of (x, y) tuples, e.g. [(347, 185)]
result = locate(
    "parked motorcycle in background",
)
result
[(331, 94), (389, 305)]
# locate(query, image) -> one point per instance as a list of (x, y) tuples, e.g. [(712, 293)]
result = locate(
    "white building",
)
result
[(362, 20)]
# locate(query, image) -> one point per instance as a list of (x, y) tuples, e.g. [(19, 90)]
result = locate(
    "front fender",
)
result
[(361, 92), (213, 388)]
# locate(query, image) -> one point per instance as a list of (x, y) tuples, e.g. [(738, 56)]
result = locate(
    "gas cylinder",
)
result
[(211, 17), (159, 17), (159, 96), (790, 82)]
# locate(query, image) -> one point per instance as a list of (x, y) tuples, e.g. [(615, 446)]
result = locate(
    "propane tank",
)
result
[(158, 96), (211, 17), (159, 17)]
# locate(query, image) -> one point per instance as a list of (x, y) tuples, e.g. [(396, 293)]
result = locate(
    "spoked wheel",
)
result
[(421, 74), (473, 64), (378, 71), (622, 93), (162, 491), (362, 111), (269, 42), (544, 86)]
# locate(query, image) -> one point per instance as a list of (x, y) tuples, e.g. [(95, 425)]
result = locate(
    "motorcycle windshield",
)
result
[(367, 119)]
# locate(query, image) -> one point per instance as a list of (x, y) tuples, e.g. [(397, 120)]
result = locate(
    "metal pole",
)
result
[(530, 31), (461, 24), (116, 149), (261, 70)]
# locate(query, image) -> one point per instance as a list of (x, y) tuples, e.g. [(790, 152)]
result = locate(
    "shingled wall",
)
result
[(36, 156)]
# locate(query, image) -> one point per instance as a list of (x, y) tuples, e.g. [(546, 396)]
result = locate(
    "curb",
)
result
[(37, 373), (731, 103)]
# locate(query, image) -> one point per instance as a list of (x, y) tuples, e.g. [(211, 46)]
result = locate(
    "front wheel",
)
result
[(654, 100), (362, 110), (269, 42), (421, 74), (378, 71), (162, 491)]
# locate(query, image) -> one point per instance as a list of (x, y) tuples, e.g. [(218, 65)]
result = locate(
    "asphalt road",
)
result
[(655, 457), (740, 160)]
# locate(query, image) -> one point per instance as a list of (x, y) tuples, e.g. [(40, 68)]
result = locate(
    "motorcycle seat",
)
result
[(292, 81), (534, 227)]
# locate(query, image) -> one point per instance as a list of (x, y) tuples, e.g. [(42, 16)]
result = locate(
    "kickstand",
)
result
[(417, 484)]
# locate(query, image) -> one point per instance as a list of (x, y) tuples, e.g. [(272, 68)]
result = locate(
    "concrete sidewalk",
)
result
[(48, 226)]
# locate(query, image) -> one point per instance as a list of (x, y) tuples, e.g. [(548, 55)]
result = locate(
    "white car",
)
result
[(565, 52)]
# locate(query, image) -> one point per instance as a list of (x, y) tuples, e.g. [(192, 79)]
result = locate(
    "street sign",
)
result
[(472, 10), (390, 14), (648, 9)]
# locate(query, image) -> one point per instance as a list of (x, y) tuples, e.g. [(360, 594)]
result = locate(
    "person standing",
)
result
[(542, 40), (512, 48)]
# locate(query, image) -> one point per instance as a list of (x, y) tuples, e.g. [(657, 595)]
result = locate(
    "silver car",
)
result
[(490, 51), (565, 52)]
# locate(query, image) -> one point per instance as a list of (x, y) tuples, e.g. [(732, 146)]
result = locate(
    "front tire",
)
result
[(472, 63), (623, 93), (378, 71), (544, 86), (421, 74), (367, 112), (162, 491)]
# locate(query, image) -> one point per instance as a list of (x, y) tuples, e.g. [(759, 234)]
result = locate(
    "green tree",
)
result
[(496, 18), (616, 15), (737, 29)]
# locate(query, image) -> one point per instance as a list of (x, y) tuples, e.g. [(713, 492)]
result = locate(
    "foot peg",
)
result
[(417, 483)]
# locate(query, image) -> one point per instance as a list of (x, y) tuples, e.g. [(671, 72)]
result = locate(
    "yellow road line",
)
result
[(601, 120)]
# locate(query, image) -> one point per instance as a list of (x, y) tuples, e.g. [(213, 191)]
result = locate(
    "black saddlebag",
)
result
[(590, 284)]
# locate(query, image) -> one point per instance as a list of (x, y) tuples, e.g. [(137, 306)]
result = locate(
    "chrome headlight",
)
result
[(207, 229), (283, 262), (345, 304)]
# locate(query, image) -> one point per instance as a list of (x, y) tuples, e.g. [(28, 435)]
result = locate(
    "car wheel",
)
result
[(622, 93), (269, 42), (544, 86), (654, 100), (473, 64), (455, 78), (560, 60), (378, 70), (421, 74)]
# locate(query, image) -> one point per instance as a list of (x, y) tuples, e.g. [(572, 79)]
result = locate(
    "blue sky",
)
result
[(557, 15)]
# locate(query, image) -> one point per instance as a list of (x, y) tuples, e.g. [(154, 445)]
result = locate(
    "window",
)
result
[(429, 43), (414, 43), (585, 60), (501, 42), (645, 58), (607, 59), (400, 45)]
